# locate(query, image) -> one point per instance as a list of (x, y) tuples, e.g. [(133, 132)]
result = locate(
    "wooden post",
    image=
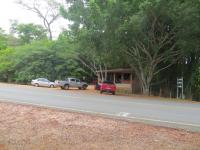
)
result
[(114, 77), (122, 77), (131, 78)]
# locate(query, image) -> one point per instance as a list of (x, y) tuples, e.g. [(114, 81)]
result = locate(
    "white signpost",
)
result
[(180, 88)]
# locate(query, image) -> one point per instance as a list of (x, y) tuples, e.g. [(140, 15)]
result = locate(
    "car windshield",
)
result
[(46, 80), (72, 80)]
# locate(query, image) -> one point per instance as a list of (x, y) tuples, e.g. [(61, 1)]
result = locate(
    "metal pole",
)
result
[(177, 88)]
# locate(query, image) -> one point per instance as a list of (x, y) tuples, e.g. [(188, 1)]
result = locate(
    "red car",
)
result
[(108, 86)]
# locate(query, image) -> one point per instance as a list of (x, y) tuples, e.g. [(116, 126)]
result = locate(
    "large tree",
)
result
[(149, 40), (186, 16), (6, 65), (47, 11), (3, 39), (29, 32), (88, 30), (141, 29)]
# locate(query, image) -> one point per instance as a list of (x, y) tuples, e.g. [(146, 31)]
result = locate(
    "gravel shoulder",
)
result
[(29, 127)]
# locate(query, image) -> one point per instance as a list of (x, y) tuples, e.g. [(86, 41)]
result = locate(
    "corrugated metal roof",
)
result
[(119, 70)]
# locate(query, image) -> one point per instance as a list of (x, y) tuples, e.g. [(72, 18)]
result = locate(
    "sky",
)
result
[(9, 10)]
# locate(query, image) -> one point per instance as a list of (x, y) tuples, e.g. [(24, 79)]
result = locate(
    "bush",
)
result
[(196, 85)]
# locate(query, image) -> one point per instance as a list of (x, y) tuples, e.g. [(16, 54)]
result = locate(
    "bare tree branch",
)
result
[(48, 14), (148, 55)]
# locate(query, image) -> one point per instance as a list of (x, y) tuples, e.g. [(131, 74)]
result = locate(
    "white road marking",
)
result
[(165, 121), (123, 114), (108, 114)]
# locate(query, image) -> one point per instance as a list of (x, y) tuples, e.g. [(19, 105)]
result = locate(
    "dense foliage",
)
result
[(159, 40), (40, 58)]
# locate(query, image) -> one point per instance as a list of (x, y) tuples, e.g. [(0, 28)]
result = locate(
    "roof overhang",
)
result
[(120, 70)]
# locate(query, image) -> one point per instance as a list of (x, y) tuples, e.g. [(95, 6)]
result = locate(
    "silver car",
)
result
[(71, 82), (43, 82)]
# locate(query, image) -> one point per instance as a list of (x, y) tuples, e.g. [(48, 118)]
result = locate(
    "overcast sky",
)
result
[(9, 10)]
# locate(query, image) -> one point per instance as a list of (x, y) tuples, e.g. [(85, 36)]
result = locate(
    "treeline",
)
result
[(159, 40), (31, 55)]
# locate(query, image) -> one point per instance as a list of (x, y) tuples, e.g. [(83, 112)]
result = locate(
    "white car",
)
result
[(43, 82)]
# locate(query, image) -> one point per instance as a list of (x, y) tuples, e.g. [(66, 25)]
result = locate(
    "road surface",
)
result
[(158, 112)]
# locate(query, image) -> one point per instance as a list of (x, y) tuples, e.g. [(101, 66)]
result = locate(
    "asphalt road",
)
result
[(184, 115)]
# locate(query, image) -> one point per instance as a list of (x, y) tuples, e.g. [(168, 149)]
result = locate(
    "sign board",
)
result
[(180, 88)]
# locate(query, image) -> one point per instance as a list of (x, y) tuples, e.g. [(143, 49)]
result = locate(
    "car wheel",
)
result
[(113, 93), (84, 87), (66, 87), (101, 91), (36, 84), (79, 88), (51, 86)]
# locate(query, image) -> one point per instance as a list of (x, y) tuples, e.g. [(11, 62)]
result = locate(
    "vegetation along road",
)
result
[(158, 112)]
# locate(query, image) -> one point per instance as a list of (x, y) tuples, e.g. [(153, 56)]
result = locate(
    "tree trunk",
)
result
[(145, 83), (50, 32), (145, 90), (48, 27)]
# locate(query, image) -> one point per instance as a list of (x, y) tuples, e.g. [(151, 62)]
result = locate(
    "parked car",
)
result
[(72, 82), (43, 82), (108, 86)]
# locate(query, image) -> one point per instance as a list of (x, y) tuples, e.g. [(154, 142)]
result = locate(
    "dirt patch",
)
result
[(28, 127)]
